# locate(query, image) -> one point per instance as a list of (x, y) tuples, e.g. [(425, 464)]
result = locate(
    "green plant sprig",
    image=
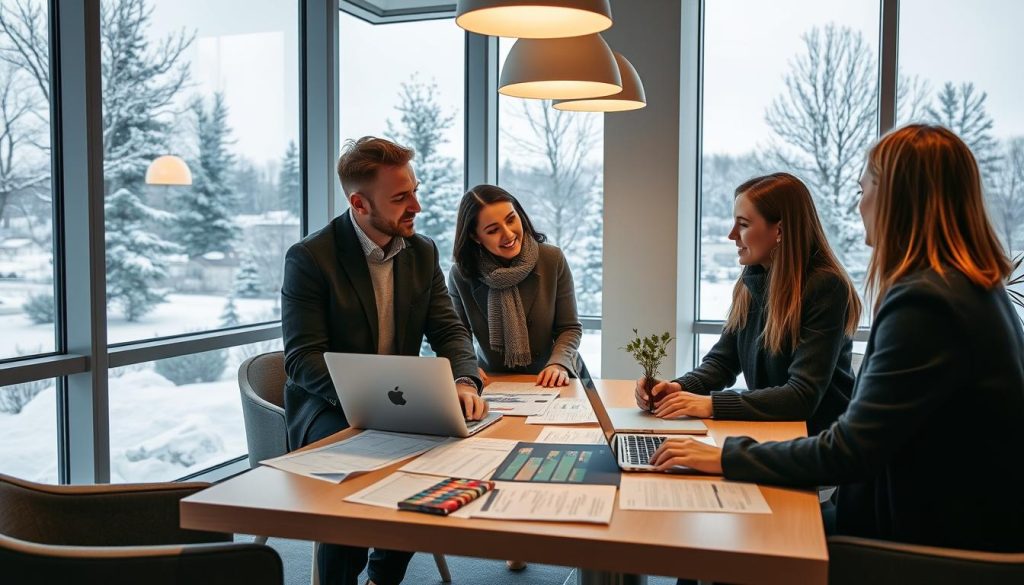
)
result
[(649, 351)]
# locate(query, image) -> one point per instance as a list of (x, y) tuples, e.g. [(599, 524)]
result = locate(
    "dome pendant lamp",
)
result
[(560, 69), (168, 170), (630, 98), (534, 19)]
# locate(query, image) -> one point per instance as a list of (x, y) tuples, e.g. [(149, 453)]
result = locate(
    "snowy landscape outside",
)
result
[(217, 84)]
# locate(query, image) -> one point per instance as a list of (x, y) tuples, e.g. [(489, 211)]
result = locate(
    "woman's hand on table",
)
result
[(660, 390), (553, 375), (684, 404)]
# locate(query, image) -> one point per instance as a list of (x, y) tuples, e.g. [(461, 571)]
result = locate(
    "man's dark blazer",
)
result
[(327, 304)]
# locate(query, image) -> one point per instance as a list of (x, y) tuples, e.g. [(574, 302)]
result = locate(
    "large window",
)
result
[(791, 86), (411, 91), (553, 162), (28, 430), (960, 67), (215, 83), (26, 202)]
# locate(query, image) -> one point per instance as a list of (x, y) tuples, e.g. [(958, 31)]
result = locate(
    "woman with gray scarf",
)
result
[(513, 291)]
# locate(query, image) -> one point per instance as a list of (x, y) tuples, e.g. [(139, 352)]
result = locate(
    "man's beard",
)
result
[(395, 229)]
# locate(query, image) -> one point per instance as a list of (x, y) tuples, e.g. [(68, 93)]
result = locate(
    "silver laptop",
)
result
[(405, 394), (633, 450)]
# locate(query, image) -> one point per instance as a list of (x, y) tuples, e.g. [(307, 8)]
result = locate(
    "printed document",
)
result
[(551, 503), (524, 400), (466, 458), (565, 411), (366, 451), (394, 488), (649, 492), (570, 436)]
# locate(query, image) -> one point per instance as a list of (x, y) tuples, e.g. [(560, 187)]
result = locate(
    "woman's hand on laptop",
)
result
[(684, 404), (688, 453), (473, 406), (660, 390)]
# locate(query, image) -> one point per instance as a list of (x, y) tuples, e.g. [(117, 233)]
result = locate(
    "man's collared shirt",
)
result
[(382, 272)]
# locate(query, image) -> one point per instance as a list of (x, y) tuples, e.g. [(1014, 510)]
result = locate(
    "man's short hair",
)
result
[(361, 159)]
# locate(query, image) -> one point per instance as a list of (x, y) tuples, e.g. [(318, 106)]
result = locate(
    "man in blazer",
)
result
[(366, 283)]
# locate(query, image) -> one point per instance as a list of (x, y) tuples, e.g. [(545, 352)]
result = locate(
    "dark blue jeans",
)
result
[(341, 565)]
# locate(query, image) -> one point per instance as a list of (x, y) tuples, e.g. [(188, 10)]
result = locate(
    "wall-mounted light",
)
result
[(560, 69), (630, 98), (534, 19), (168, 170)]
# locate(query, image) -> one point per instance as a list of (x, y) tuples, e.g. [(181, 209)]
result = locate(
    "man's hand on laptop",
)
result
[(688, 453), (660, 390), (473, 406)]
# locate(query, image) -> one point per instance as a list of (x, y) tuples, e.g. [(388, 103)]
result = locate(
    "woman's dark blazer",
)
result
[(549, 300)]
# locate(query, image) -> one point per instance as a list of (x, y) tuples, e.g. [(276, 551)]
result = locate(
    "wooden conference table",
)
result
[(787, 546)]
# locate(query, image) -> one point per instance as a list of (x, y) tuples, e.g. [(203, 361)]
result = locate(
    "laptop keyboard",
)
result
[(639, 448)]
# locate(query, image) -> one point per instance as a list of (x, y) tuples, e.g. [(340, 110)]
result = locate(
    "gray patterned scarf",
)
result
[(506, 318)]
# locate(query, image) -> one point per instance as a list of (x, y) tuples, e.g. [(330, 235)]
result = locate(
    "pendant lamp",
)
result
[(534, 19), (560, 69), (630, 98), (168, 170)]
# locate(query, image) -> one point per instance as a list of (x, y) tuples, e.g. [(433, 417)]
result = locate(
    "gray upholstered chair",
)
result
[(261, 380), (116, 534), (861, 560)]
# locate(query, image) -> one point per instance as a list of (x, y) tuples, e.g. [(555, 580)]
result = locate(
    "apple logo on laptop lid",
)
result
[(395, 396)]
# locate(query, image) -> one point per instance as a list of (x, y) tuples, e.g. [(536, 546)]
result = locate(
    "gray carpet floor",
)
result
[(297, 558)]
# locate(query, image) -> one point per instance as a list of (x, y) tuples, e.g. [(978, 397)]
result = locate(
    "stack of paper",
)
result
[(565, 411), (394, 488), (544, 502), (570, 436), (366, 451), (518, 398)]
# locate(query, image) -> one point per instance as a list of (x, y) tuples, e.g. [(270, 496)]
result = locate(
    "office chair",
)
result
[(118, 534), (261, 380), (862, 560)]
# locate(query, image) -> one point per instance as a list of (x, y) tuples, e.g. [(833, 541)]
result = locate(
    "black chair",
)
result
[(118, 534), (862, 560)]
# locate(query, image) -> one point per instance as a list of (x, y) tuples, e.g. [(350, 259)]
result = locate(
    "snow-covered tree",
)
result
[(289, 180), (248, 283), (203, 213), (423, 126), (1005, 195), (229, 316), (962, 109), (135, 254), (24, 162)]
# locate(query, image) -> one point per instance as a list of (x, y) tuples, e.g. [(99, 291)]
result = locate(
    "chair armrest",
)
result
[(863, 560), (98, 515), (247, 563)]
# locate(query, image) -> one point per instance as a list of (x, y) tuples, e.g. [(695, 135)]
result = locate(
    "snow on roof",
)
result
[(214, 255)]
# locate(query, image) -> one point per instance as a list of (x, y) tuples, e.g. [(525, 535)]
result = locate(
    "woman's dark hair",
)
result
[(467, 251)]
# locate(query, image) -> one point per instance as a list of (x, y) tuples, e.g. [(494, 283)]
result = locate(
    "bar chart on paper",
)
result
[(559, 463)]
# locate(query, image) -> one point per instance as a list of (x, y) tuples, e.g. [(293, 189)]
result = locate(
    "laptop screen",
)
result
[(596, 404)]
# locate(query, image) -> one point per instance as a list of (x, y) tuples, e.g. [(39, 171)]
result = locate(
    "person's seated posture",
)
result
[(930, 450), (514, 292), (366, 283), (791, 324)]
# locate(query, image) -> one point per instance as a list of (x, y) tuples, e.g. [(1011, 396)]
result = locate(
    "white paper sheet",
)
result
[(651, 492), (394, 488), (565, 411), (517, 388), (366, 451), (520, 403), (592, 504), (570, 436), (469, 458)]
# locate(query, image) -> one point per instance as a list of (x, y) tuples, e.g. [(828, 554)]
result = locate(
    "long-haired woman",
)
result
[(790, 327), (930, 449)]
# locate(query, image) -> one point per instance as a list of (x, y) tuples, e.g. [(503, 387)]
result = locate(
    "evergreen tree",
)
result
[(289, 180), (962, 110), (248, 284), (134, 254), (229, 316), (423, 127), (204, 212)]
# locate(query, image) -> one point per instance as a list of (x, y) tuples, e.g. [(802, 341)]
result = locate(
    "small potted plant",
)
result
[(649, 352)]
